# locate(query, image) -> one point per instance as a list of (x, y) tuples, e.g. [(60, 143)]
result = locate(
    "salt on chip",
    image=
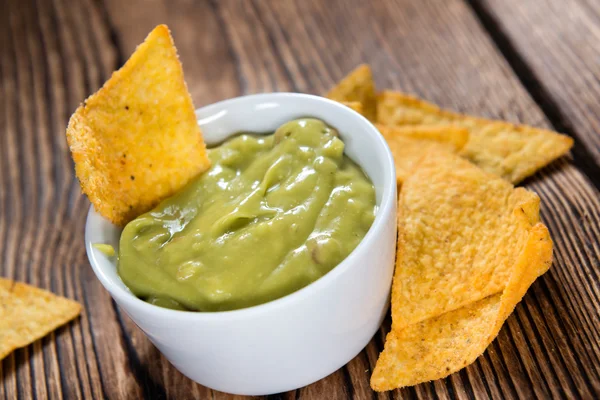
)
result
[(28, 313), (410, 143), (358, 86), (511, 151), (460, 232), (437, 347), (137, 141), (469, 246)]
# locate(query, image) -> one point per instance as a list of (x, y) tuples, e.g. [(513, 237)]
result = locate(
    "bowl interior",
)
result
[(263, 114)]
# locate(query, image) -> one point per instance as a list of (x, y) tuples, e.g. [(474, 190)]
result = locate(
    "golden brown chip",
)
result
[(410, 143), (469, 247), (513, 152), (137, 140), (460, 232), (28, 313), (358, 86), (437, 347), (355, 105)]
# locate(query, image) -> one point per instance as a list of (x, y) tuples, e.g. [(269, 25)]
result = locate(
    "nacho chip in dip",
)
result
[(136, 141)]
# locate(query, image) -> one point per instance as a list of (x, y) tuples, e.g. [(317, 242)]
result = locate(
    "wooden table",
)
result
[(535, 62)]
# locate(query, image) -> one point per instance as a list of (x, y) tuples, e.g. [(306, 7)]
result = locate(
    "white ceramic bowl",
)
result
[(300, 338)]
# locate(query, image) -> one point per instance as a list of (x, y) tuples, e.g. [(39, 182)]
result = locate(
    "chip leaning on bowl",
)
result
[(136, 141)]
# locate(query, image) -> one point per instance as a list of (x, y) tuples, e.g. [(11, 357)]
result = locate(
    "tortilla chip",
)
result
[(460, 232), (437, 347), (513, 152), (137, 141), (28, 313), (469, 247), (355, 105), (410, 143), (358, 86)]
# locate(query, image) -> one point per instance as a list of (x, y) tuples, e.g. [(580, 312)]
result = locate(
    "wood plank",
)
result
[(53, 54), (211, 70), (43, 82), (557, 46)]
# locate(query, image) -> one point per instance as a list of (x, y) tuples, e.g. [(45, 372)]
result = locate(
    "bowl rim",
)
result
[(388, 199)]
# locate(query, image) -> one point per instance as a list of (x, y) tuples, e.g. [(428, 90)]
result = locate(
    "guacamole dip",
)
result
[(273, 214)]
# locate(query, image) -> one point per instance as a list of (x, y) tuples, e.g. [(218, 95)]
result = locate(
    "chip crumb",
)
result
[(106, 249)]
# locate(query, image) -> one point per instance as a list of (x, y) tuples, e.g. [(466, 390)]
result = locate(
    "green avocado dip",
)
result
[(273, 214)]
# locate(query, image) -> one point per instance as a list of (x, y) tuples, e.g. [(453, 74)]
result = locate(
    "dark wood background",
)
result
[(536, 62)]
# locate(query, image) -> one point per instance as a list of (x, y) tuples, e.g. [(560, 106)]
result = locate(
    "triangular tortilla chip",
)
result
[(28, 313), (355, 105), (460, 231), (358, 86), (409, 144), (137, 141), (437, 347), (511, 151), (469, 246)]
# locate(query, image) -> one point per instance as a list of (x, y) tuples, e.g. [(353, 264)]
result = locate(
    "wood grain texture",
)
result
[(559, 45), (54, 53)]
